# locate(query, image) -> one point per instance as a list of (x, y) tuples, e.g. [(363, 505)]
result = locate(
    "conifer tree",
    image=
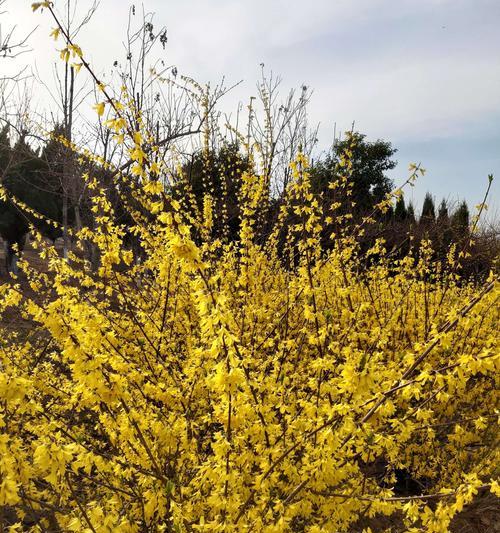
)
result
[(400, 212), (460, 222), (443, 226), (443, 217), (411, 213), (428, 210)]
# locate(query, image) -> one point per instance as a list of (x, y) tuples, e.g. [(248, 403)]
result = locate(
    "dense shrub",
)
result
[(210, 388), (225, 385)]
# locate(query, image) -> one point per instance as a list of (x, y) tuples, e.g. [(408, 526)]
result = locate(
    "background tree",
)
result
[(216, 177), (278, 128), (370, 162), (443, 228), (400, 212), (25, 178), (428, 215), (443, 218), (411, 213), (13, 227), (460, 221), (68, 97)]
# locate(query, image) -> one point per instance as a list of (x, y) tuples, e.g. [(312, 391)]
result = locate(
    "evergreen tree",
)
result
[(411, 213), (443, 218), (5, 150), (13, 225), (400, 212), (443, 226), (370, 162), (219, 176), (26, 177), (460, 221), (428, 210)]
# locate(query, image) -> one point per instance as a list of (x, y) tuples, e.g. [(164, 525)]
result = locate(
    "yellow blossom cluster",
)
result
[(213, 388), (186, 385)]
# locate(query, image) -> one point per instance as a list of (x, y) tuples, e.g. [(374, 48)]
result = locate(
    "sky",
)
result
[(422, 74)]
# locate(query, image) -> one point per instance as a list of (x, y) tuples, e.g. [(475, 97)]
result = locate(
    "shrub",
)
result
[(206, 386)]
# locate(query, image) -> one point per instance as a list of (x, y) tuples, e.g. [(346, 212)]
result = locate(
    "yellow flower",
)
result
[(100, 107), (184, 248)]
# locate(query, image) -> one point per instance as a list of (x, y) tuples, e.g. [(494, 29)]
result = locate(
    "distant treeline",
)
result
[(38, 179)]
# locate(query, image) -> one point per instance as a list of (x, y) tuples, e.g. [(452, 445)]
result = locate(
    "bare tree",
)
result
[(279, 129), (10, 45), (71, 19), (173, 108)]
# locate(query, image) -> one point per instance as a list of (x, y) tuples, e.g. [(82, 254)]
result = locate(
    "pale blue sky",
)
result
[(424, 74)]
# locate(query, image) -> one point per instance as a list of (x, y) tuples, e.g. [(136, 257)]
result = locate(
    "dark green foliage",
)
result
[(13, 225), (370, 160), (37, 178), (428, 215), (5, 151), (443, 217), (400, 212), (217, 174), (410, 211), (27, 177), (460, 222), (443, 228)]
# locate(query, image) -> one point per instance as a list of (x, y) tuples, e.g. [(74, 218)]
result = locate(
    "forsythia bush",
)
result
[(200, 385)]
